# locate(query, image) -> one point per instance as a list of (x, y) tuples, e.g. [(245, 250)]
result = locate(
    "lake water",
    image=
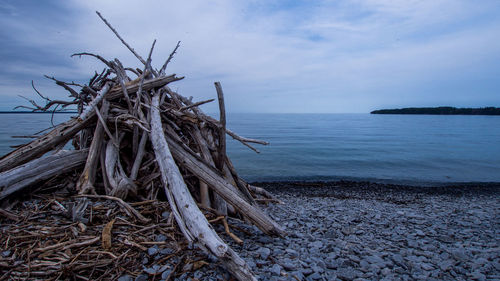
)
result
[(391, 148)]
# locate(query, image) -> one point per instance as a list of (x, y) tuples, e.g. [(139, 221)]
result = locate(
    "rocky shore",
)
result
[(366, 231)]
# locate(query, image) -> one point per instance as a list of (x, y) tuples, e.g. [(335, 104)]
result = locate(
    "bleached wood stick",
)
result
[(65, 131), (192, 217), (39, 170), (86, 181), (121, 39), (121, 185), (204, 117), (222, 187), (38, 147), (205, 153), (91, 107), (221, 157), (162, 70)]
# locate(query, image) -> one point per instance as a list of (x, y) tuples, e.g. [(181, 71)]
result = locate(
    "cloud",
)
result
[(281, 56)]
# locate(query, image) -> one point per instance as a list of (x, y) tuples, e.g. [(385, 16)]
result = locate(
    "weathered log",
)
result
[(38, 147), (220, 204), (85, 184), (41, 169), (205, 153), (121, 185), (191, 216), (223, 188)]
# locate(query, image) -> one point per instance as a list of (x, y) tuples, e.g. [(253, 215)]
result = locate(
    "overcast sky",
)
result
[(270, 56)]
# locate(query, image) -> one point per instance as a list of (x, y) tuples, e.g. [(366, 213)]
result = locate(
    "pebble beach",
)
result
[(367, 231)]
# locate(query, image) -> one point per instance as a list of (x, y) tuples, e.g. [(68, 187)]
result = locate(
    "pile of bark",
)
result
[(136, 140)]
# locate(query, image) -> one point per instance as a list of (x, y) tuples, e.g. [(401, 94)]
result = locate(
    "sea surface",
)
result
[(386, 148)]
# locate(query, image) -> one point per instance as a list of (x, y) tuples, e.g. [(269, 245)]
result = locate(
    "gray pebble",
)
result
[(478, 276), (347, 273), (161, 238), (166, 273), (264, 252), (141, 277), (276, 269), (125, 277), (6, 253), (153, 250), (315, 276)]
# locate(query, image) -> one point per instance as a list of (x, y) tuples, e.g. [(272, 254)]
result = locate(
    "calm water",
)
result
[(400, 148)]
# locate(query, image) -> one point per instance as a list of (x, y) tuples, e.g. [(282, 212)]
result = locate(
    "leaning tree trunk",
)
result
[(197, 225)]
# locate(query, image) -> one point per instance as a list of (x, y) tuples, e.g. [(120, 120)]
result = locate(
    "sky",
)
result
[(345, 56)]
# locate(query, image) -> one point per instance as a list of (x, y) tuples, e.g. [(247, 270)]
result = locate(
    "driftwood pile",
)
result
[(138, 140)]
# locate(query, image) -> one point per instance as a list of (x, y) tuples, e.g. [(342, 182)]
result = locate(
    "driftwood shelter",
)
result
[(135, 141)]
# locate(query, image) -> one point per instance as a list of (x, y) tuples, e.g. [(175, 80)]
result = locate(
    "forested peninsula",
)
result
[(442, 110)]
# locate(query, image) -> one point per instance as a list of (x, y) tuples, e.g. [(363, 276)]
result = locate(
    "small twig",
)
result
[(232, 235), (107, 63), (195, 104), (120, 202), (105, 127), (9, 215), (162, 70)]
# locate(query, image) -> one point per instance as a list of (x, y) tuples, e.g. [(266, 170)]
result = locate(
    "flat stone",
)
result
[(125, 277), (306, 271), (459, 255), (478, 276), (161, 238), (375, 259), (445, 265), (315, 276), (292, 253), (426, 266), (332, 264), (347, 273), (316, 244), (276, 269), (166, 251), (153, 250), (142, 277), (165, 215), (264, 252), (398, 259), (289, 266), (297, 274), (386, 271), (150, 271), (265, 239)]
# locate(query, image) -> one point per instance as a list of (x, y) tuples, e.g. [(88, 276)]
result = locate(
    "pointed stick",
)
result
[(162, 70), (121, 39)]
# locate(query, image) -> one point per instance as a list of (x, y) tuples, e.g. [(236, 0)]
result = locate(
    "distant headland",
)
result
[(442, 110)]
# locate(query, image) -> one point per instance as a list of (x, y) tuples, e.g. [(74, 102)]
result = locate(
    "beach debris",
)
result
[(136, 144)]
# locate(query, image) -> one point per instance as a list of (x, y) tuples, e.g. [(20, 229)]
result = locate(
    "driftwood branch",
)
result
[(39, 170)]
